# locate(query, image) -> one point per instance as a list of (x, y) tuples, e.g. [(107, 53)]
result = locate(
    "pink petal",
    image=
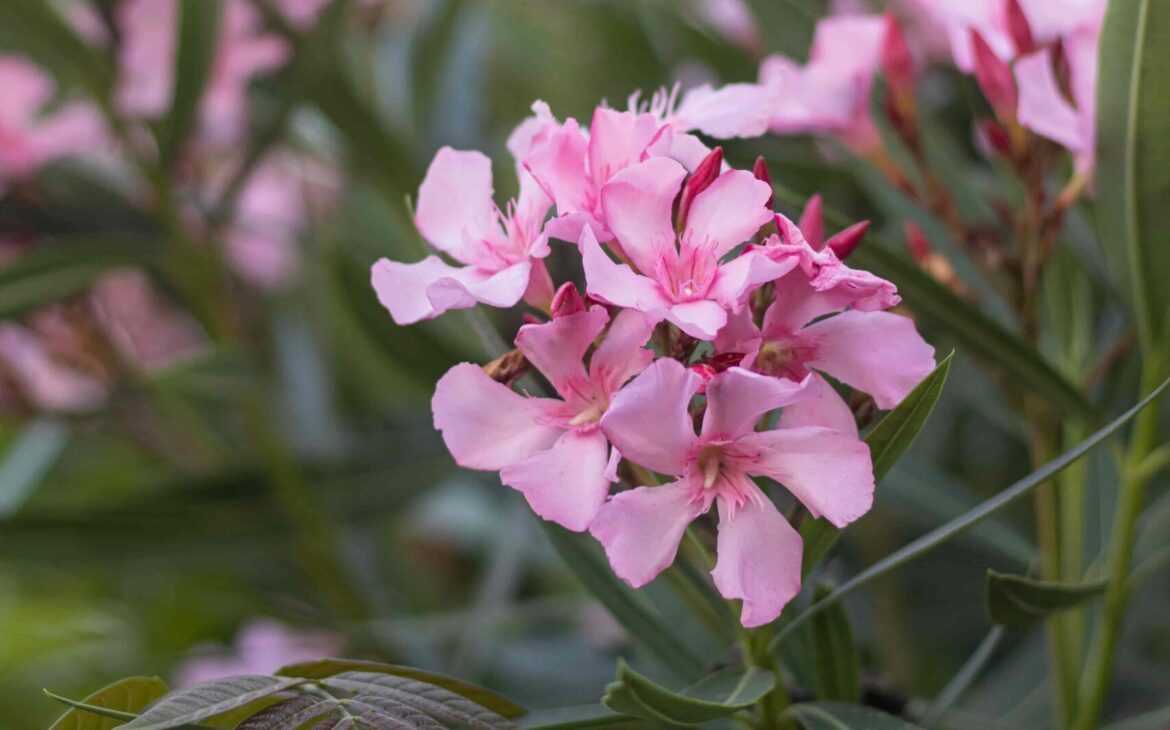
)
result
[(743, 274), (737, 398), (735, 110), (618, 140), (1043, 107), (557, 347), (566, 484), (740, 334), (455, 201), (617, 284), (637, 204), (622, 355), (876, 352), (825, 408), (487, 425), (501, 288), (759, 559), (728, 212), (648, 420), (829, 472), (558, 163), (642, 528), (424, 290), (689, 150), (702, 318)]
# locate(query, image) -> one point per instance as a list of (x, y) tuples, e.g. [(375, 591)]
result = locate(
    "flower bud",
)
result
[(567, 301), (994, 77), (812, 222), (897, 63), (996, 137), (760, 170), (844, 242), (917, 242), (701, 179), (1019, 28)]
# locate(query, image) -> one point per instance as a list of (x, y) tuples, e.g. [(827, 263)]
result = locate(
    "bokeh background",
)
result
[(265, 480)]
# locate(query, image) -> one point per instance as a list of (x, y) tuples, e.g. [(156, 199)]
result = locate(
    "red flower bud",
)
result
[(844, 242), (994, 77), (897, 63), (997, 138), (760, 170), (812, 223), (917, 242), (701, 179), (567, 301), (1019, 28)]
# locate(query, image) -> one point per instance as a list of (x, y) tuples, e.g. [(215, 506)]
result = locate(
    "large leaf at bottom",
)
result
[(128, 695), (843, 716), (208, 699), (718, 695)]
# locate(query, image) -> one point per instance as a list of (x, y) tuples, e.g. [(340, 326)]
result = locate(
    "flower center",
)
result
[(781, 357), (591, 413), (710, 464)]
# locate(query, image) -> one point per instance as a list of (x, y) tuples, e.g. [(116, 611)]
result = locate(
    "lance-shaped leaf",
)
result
[(887, 442), (111, 705), (578, 717), (291, 714), (322, 668), (35, 28), (838, 668), (441, 704), (843, 716), (1132, 174), (718, 695), (1015, 600), (198, 38), (208, 699)]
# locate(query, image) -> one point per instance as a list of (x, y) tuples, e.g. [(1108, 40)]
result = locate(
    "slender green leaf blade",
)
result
[(61, 271), (207, 699), (578, 717), (198, 38), (111, 705), (838, 667), (843, 716), (718, 695), (1016, 600)]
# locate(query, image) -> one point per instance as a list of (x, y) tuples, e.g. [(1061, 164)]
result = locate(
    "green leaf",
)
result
[(843, 716), (441, 704), (34, 28), (322, 668), (718, 695), (199, 26), (60, 271), (969, 519), (578, 717), (207, 699), (290, 714), (838, 668), (27, 459), (1132, 173), (1015, 600), (111, 705), (887, 442), (582, 555)]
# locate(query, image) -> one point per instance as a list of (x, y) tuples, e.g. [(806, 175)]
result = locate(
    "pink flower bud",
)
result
[(994, 77), (812, 223), (917, 242), (844, 242), (567, 301), (760, 170), (706, 372), (996, 137), (699, 181), (897, 63), (1019, 28)]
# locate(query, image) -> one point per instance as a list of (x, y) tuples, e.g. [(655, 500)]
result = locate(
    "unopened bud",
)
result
[(897, 63), (812, 222), (705, 174), (994, 77), (1019, 28), (844, 242), (917, 242), (996, 137), (567, 301), (760, 170)]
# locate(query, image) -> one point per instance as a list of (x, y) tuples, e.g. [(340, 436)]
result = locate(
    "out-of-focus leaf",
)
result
[(329, 667), (126, 698), (62, 270), (199, 24), (887, 442), (26, 460), (718, 695), (1016, 600), (787, 26), (437, 702), (843, 716), (1132, 171), (1156, 720), (838, 668), (208, 699), (34, 27), (580, 717)]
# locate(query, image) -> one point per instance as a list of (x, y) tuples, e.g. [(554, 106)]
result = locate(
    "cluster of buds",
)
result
[(704, 313)]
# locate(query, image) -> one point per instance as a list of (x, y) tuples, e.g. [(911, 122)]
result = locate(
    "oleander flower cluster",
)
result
[(697, 354)]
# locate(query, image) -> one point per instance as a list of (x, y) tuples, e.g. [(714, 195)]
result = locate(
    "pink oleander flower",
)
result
[(30, 138), (734, 20), (48, 384), (874, 351), (680, 278), (147, 332), (831, 93), (734, 110), (551, 450), (502, 251), (759, 553), (262, 646)]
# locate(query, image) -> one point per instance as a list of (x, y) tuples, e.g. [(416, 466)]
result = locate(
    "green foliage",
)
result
[(715, 696), (838, 666), (112, 705), (843, 716), (199, 26), (1016, 600)]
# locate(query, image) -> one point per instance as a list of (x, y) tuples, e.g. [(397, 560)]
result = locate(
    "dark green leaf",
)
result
[(198, 38), (1132, 175), (1015, 600), (34, 28), (380, 712), (579, 717), (207, 699), (111, 705), (60, 271), (329, 667), (887, 442), (838, 668), (718, 695), (290, 714), (439, 703), (843, 716)]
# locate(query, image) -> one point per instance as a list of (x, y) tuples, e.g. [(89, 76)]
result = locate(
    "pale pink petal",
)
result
[(525, 135), (501, 288), (557, 347), (876, 352), (487, 425), (642, 528), (734, 110), (571, 226), (743, 274), (455, 201), (566, 484), (424, 290), (76, 129), (617, 284), (737, 398), (740, 334), (622, 355), (648, 420), (826, 408), (828, 471), (557, 161), (146, 56), (637, 204), (689, 150), (728, 212), (27, 88), (47, 383), (618, 140), (702, 318), (759, 557), (1043, 108)]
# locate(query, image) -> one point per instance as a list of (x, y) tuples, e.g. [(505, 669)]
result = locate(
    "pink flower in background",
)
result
[(33, 134), (501, 250), (759, 553), (734, 20), (680, 278), (48, 384), (262, 646), (148, 332), (551, 450), (148, 46), (734, 110)]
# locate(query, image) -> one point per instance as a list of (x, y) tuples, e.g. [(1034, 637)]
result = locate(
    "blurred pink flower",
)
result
[(147, 332), (734, 20), (31, 132), (262, 646), (501, 250), (759, 553), (48, 384), (550, 450), (679, 278)]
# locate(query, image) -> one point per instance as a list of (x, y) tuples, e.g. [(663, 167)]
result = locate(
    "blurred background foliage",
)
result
[(292, 471)]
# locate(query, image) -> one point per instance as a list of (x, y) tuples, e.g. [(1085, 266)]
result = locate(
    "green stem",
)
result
[(1073, 493), (1095, 686)]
